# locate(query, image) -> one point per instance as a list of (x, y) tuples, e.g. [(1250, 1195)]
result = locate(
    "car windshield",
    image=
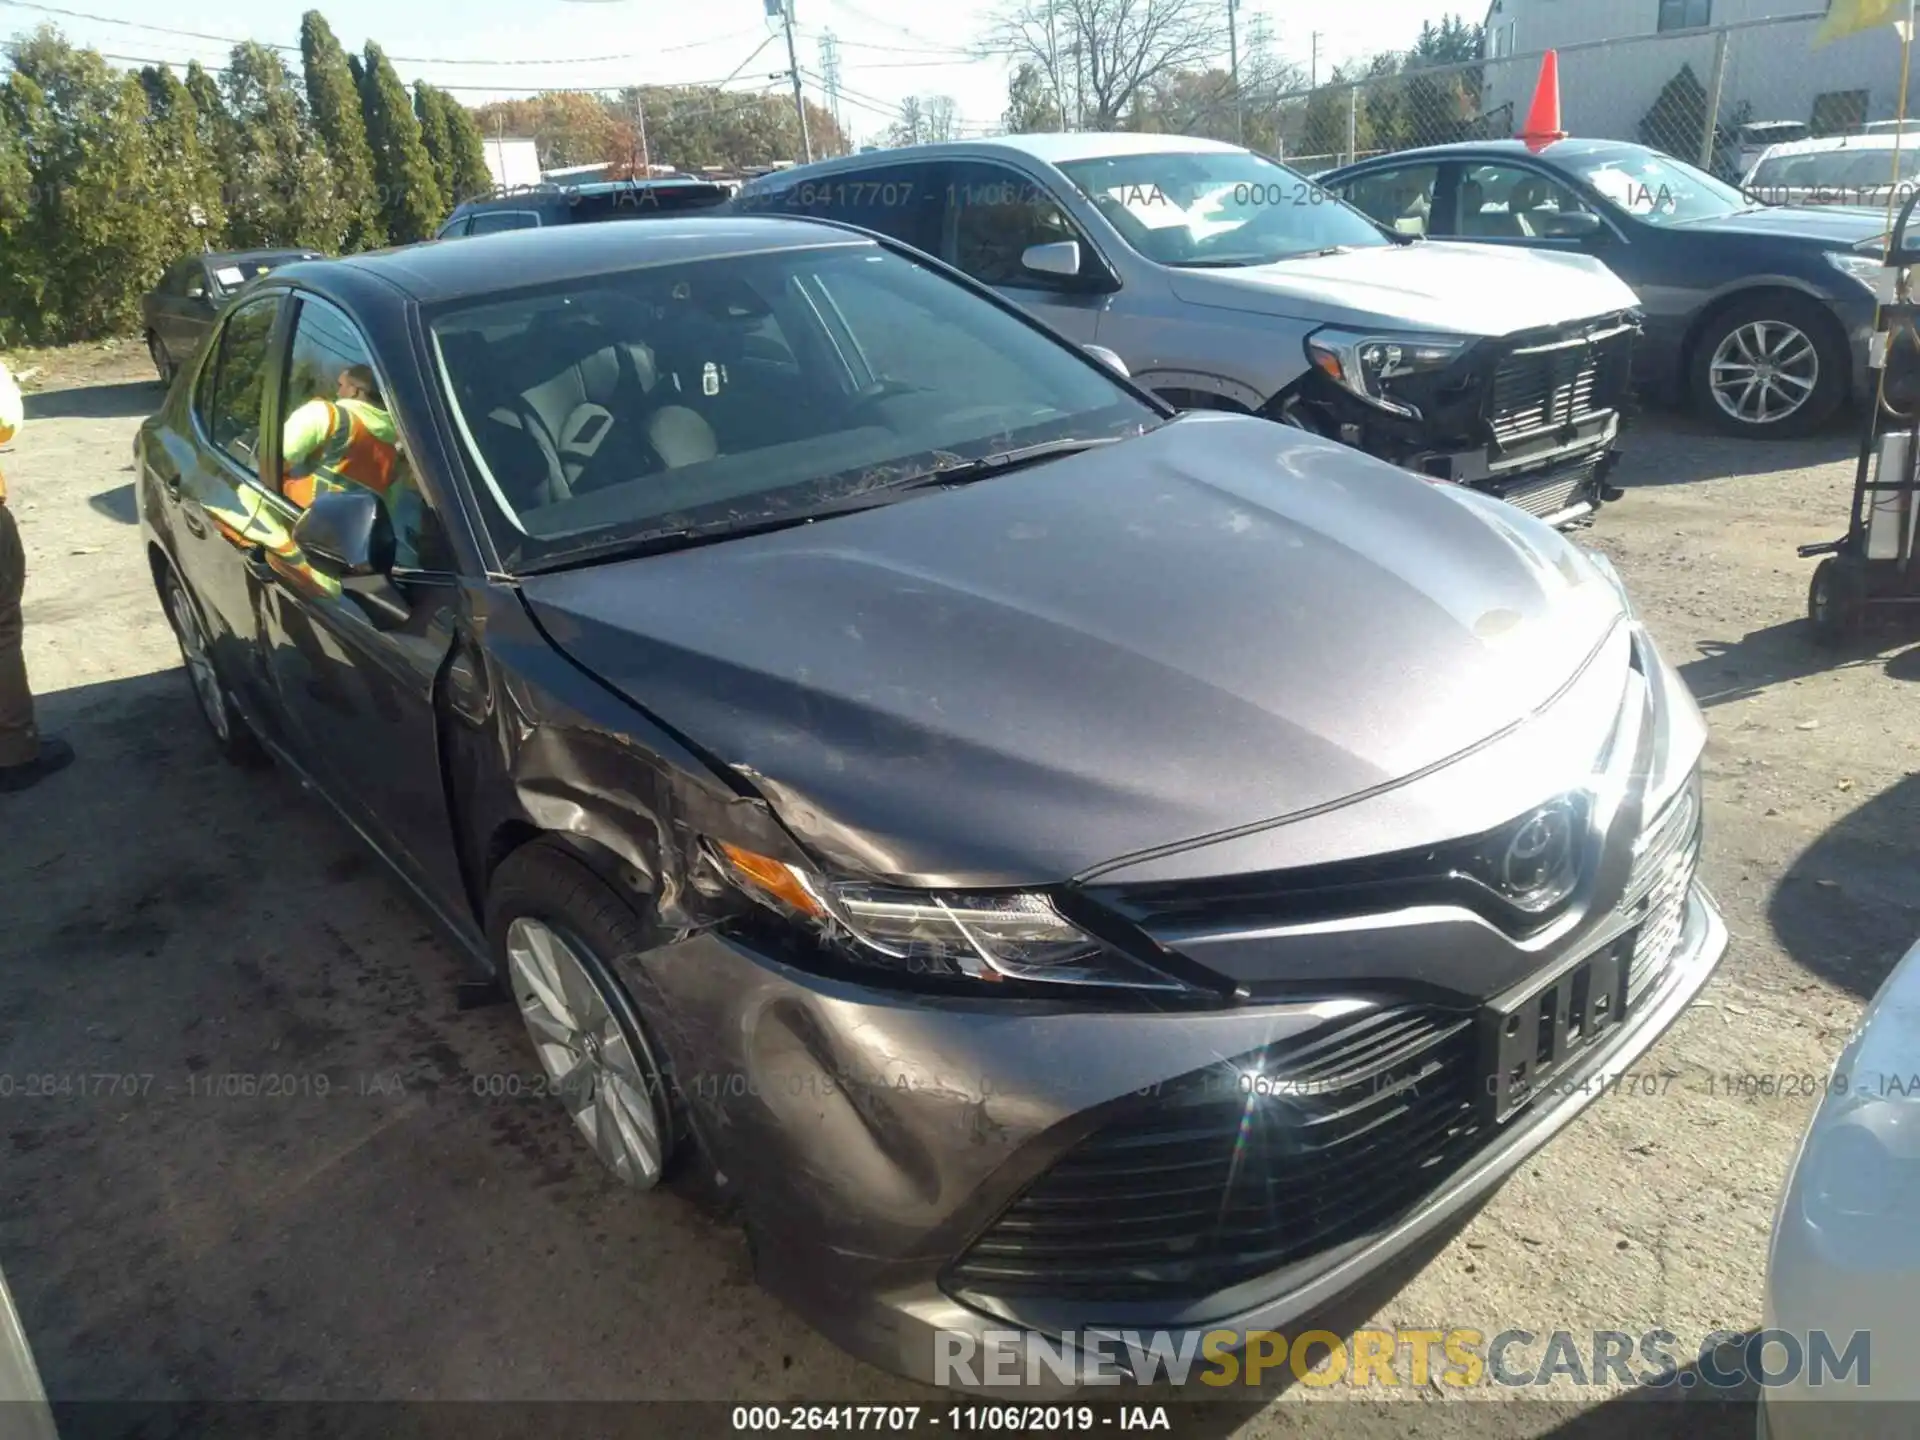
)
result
[(1834, 169), (648, 407), (1657, 188), (1218, 207)]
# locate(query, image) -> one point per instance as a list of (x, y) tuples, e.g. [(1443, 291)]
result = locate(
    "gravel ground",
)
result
[(170, 921)]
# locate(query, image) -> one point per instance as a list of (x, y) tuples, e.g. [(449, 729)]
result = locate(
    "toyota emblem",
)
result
[(1538, 867)]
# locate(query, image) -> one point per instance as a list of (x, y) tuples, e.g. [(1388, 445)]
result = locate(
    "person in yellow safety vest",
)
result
[(328, 444)]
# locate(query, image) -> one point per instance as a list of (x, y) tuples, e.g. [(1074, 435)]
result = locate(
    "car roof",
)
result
[(1050, 149), (521, 195), (1880, 140), (1482, 149), (433, 271)]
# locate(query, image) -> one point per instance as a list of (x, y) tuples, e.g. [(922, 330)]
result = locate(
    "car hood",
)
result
[(1829, 226), (1456, 289), (1208, 627)]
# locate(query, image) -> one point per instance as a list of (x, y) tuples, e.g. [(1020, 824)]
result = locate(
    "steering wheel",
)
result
[(886, 388)]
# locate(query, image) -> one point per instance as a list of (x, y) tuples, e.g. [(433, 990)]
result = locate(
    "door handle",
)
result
[(257, 563)]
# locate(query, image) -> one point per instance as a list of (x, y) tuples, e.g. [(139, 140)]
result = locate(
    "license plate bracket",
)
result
[(1531, 1035)]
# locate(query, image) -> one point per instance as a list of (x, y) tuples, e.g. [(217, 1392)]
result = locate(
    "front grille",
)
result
[(1577, 374), (1220, 1177), (1664, 862), (1556, 493)]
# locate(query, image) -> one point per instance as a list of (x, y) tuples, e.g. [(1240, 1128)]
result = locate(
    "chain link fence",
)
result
[(1713, 95)]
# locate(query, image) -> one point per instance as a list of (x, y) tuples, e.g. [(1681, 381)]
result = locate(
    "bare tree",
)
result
[(1097, 55), (940, 118), (911, 127)]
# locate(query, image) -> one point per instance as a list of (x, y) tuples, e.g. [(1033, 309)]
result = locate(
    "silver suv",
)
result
[(1226, 281)]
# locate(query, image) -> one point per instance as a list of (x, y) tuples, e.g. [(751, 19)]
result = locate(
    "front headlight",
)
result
[(1869, 270), (1369, 364), (988, 937)]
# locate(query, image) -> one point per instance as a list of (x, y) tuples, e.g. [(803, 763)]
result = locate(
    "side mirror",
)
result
[(1906, 236), (1578, 225), (1060, 257), (347, 534), (1107, 358)]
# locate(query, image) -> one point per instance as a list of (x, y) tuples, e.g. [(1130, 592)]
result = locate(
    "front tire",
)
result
[(1769, 368), (162, 361), (555, 928), (231, 737)]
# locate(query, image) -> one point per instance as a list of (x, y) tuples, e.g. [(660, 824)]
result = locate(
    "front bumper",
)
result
[(871, 1136)]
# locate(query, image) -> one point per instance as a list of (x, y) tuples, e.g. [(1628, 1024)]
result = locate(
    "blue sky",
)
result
[(887, 52)]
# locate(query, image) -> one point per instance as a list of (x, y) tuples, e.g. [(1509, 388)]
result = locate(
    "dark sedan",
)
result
[(1759, 315), (176, 314), (1045, 861)]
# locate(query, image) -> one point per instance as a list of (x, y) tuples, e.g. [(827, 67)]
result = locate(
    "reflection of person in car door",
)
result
[(328, 444)]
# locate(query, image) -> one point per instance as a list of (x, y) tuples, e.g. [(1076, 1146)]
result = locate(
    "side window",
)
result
[(994, 215), (901, 201), (228, 401), (1513, 202), (338, 433), (454, 228), (485, 222), (1401, 200)]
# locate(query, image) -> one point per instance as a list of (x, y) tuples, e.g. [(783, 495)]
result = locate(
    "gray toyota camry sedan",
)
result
[(1046, 863)]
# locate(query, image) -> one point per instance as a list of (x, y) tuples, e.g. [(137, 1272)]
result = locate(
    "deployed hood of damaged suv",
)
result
[(1454, 289), (1213, 625)]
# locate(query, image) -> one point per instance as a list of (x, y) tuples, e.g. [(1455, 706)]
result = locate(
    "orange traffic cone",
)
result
[(1543, 120)]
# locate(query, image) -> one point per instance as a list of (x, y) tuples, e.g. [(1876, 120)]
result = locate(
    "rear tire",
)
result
[(1771, 367), (236, 743)]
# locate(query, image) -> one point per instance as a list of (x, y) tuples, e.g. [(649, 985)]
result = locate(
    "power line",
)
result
[(404, 59)]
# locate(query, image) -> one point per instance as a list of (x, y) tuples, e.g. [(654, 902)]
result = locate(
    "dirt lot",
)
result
[(170, 921)]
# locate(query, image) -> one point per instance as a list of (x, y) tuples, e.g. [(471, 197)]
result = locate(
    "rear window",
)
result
[(642, 200), (232, 274)]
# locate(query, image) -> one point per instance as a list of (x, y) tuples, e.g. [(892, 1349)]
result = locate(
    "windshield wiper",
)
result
[(956, 471), (686, 537)]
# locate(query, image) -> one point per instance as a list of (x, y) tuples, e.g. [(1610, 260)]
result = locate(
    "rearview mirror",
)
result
[(1059, 257), (346, 533), (1107, 358), (1906, 236)]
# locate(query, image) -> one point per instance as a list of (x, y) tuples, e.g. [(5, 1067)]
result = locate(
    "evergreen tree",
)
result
[(23, 279), (470, 174), (185, 178), (1030, 108), (283, 183), (333, 99), (429, 108), (83, 129), (410, 199)]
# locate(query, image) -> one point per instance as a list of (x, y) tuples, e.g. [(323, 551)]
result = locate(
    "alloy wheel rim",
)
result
[(193, 650), (586, 1052), (1764, 371)]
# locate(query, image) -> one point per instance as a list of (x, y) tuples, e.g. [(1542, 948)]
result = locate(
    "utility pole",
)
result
[(1313, 65), (830, 73), (640, 124), (784, 9), (1233, 62)]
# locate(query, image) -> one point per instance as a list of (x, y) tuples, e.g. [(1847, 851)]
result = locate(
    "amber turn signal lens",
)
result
[(776, 879)]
